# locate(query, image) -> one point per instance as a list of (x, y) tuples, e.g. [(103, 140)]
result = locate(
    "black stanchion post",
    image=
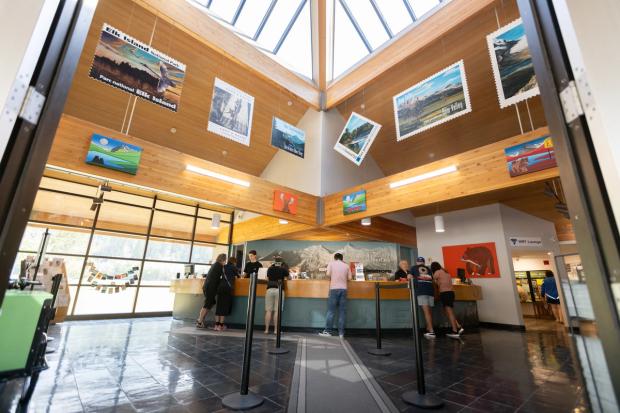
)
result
[(378, 351), (419, 398), (245, 400), (278, 349)]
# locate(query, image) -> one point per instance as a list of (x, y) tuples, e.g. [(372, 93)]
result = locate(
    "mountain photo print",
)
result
[(512, 64), (113, 154), (435, 100)]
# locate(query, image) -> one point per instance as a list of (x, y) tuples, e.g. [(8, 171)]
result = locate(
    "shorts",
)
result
[(447, 298), (271, 298), (552, 300), (428, 300)]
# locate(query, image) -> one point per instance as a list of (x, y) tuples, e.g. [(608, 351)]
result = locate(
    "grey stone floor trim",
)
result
[(297, 398), (381, 398)]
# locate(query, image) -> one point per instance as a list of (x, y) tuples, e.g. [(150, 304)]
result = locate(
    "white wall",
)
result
[(323, 170), (490, 223), (338, 172), (298, 173), (532, 263)]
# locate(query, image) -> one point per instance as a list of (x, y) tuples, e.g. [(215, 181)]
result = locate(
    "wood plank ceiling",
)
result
[(487, 123), (104, 105)]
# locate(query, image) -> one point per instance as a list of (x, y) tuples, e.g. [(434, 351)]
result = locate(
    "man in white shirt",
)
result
[(339, 273)]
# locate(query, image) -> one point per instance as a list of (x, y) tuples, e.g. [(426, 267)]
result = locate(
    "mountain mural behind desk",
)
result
[(313, 256)]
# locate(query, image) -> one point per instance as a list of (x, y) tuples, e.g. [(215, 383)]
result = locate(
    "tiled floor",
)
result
[(488, 371), (139, 366)]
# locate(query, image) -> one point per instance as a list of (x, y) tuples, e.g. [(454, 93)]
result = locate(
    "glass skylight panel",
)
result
[(224, 9), (421, 7), (348, 46), (395, 14), (280, 17), (369, 22), (251, 15), (296, 51)]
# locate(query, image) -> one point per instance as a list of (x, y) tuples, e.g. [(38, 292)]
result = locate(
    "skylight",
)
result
[(280, 28), (283, 28), (362, 26)]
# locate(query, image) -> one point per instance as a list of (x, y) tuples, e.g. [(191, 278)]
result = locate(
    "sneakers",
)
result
[(342, 336), (453, 334), (461, 330), (430, 334), (325, 333)]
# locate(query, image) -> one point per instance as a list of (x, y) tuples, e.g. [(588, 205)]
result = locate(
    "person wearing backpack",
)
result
[(209, 288), (225, 290)]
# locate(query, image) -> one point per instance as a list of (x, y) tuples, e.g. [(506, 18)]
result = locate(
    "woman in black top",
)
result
[(402, 273), (225, 293), (209, 288)]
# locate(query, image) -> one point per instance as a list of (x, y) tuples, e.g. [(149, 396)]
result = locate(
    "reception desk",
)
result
[(305, 304)]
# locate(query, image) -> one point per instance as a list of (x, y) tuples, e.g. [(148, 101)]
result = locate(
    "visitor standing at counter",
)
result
[(225, 289), (402, 273), (277, 272), (425, 292), (209, 288), (340, 274), (446, 296), (251, 266)]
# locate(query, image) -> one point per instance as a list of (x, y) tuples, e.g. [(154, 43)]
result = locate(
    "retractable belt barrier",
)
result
[(418, 398), (245, 400), (379, 351), (278, 349)]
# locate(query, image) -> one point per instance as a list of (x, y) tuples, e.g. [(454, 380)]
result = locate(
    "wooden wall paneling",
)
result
[(104, 105), (479, 170), (382, 229), (264, 227), (163, 168), (487, 123)]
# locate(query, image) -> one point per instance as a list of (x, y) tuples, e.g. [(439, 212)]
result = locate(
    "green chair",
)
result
[(24, 319)]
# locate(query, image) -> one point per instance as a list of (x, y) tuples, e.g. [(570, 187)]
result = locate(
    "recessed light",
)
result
[(173, 130), (366, 222), (283, 221), (224, 152), (290, 103)]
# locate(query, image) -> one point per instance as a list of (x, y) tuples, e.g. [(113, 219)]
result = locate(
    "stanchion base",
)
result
[(423, 401), (238, 401), (278, 350), (379, 352)]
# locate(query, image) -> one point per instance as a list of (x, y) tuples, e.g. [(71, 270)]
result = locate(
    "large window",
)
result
[(121, 255)]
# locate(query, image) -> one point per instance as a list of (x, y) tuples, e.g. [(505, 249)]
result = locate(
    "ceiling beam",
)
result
[(404, 45), (319, 42), (198, 24)]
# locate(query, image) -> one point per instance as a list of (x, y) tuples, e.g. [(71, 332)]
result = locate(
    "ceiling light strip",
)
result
[(423, 177), (217, 175)]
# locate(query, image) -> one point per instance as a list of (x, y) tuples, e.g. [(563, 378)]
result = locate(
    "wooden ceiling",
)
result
[(528, 198), (486, 123), (104, 105)]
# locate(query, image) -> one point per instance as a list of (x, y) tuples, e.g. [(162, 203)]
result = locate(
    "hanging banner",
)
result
[(287, 137), (512, 64), (231, 112), (356, 138), (130, 65)]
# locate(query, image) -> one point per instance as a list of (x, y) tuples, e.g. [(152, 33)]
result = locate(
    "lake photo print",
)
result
[(113, 154)]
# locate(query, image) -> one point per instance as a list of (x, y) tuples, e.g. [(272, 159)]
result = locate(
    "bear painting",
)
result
[(478, 260)]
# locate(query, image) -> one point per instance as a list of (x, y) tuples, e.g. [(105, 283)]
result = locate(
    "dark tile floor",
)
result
[(139, 366), (487, 371)]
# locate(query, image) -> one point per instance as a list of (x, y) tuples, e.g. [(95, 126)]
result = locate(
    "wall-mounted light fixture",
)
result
[(439, 224), (217, 175), (422, 177), (366, 222), (215, 221)]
